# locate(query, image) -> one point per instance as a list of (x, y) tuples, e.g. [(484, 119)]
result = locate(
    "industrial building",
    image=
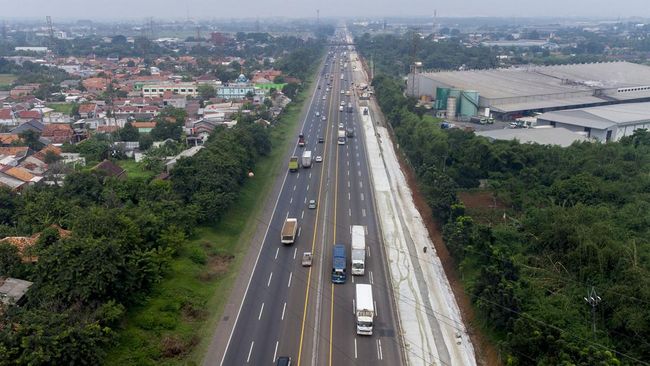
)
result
[(605, 123), (543, 136), (510, 93)]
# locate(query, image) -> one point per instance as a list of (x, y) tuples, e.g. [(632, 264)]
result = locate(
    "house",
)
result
[(7, 139), (23, 90), (12, 290), (24, 116), (7, 117), (110, 169), (58, 133), (144, 127), (95, 85), (8, 181), (13, 155), (176, 101), (32, 125), (87, 110), (25, 243)]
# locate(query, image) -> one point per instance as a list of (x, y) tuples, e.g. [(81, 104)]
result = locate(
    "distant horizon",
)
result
[(329, 18), (116, 10)]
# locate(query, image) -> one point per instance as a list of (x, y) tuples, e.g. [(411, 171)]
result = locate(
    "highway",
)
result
[(290, 310)]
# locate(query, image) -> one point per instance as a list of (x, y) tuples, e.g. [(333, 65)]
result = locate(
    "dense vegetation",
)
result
[(574, 218), (393, 55), (124, 234)]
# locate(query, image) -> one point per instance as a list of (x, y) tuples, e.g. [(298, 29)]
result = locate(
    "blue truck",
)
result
[(339, 264)]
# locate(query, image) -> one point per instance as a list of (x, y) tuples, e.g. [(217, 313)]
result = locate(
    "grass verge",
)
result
[(173, 325)]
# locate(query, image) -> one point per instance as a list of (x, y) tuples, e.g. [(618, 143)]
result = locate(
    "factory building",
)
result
[(604, 124), (511, 93)]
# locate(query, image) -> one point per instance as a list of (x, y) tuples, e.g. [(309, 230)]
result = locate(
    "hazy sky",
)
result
[(207, 9)]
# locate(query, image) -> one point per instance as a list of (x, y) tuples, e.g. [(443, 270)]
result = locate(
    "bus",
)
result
[(339, 264)]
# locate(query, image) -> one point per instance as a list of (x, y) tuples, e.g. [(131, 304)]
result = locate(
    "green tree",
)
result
[(129, 133), (206, 91)]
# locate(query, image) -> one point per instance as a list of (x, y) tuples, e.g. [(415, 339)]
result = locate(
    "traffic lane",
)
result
[(248, 324), (322, 350)]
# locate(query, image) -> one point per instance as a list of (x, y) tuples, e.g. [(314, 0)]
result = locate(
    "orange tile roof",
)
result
[(144, 124), (13, 150), (19, 173), (8, 138)]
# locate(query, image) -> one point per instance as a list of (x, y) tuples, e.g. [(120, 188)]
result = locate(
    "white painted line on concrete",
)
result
[(368, 250), (294, 187), (359, 172), (295, 250), (277, 251), (310, 175), (300, 229), (290, 276), (349, 197), (355, 347), (284, 307), (305, 201), (348, 184), (376, 312), (363, 212), (268, 283), (275, 353), (291, 200), (352, 279), (361, 185), (362, 196), (350, 212), (261, 311), (302, 215), (307, 186), (249, 352), (298, 176), (371, 278)]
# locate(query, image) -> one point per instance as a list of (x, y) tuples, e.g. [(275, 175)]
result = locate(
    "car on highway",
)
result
[(324, 97), (341, 126), (312, 204), (319, 159), (317, 114), (342, 91), (324, 118), (321, 140), (307, 258), (283, 361)]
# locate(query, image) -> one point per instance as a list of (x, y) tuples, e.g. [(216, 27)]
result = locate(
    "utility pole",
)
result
[(593, 300)]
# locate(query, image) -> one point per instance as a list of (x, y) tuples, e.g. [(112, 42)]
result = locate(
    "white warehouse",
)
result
[(604, 123)]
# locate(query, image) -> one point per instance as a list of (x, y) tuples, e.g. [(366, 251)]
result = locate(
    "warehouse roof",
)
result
[(542, 80), (602, 117), (543, 136)]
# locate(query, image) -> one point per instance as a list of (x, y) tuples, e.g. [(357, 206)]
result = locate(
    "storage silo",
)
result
[(441, 98), (468, 103), (451, 107)]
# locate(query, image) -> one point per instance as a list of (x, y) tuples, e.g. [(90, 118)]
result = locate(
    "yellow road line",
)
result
[(336, 190), (313, 242)]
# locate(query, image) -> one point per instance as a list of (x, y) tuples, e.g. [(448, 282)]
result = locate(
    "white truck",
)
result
[(364, 309), (358, 250), (306, 159), (341, 137), (289, 230)]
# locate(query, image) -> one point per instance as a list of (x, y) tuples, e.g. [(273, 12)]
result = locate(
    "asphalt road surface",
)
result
[(296, 311)]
